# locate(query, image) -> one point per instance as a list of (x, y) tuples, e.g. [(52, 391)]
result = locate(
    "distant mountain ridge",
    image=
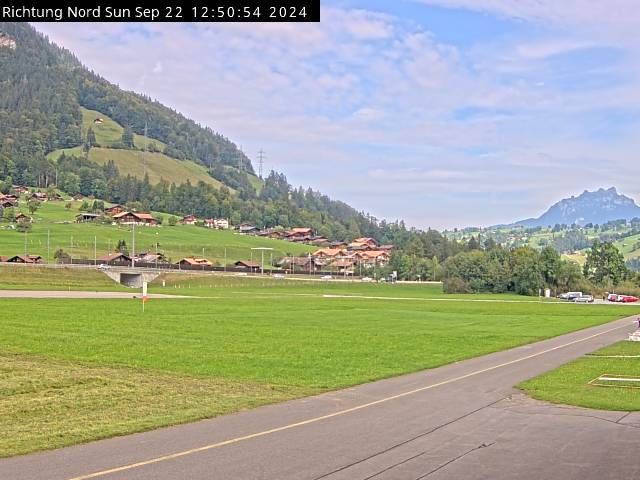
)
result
[(596, 207)]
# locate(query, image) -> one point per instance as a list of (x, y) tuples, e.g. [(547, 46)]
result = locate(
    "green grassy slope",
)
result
[(109, 133), (158, 165), (176, 242)]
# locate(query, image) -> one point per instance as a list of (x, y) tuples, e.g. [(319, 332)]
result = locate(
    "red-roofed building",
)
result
[(189, 220), (191, 262), (135, 218)]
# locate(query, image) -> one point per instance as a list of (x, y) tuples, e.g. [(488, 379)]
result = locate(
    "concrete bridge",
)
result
[(131, 278)]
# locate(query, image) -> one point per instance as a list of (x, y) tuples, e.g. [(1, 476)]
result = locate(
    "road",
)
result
[(460, 421)]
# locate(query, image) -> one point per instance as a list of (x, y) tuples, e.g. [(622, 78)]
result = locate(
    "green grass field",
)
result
[(109, 133), (569, 384), (627, 247), (254, 341), (176, 242), (158, 165)]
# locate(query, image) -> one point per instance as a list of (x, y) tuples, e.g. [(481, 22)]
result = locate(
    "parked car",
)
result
[(627, 299), (104, 266), (326, 277), (278, 275), (570, 295), (584, 299), (367, 279), (612, 297)]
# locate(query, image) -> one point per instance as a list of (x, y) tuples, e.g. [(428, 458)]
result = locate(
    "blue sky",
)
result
[(446, 113)]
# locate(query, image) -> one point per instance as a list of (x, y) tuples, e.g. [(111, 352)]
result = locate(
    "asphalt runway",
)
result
[(460, 421)]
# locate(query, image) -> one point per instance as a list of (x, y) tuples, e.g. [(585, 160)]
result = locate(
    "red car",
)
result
[(628, 299)]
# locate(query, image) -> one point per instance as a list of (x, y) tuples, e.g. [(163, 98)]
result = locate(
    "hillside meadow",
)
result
[(53, 221)]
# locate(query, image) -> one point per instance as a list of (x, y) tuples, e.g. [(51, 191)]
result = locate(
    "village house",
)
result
[(247, 265), (372, 258), (299, 234), (22, 259), (275, 233), (150, 258), (39, 196), (363, 243), (113, 210), (343, 266), (217, 223), (115, 258), (192, 262), (98, 121), (305, 264), (247, 229), (135, 218), (20, 189), (189, 220), (7, 201), (21, 217)]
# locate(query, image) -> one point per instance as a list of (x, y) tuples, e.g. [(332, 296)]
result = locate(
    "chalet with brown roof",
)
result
[(21, 217), (247, 265), (114, 210), (193, 262), (299, 234), (189, 220), (328, 252), (135, 218), (363, 243), (115, 258), (40, 196), (373, 257), (8, 201), (20, 189), (304, 264), (343, 265), (247, 229), (22, 259)]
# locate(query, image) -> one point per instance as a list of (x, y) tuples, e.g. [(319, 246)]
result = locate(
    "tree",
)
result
[(122, 247), (127, 137), (24, 226), (173, 220), (33, 205), (605, 264), (61, 256)]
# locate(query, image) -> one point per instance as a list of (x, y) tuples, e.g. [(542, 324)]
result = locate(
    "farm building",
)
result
[(86, 217), (247, 265), (190, 262), (189, 220), (248, 229), (22, 259), (116, 258), (151, 258), (135, 218), (40, 196), (304, 264), (21, 217), (113, 210)]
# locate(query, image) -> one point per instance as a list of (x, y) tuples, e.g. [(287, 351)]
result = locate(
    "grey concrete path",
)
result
[(460, 421)]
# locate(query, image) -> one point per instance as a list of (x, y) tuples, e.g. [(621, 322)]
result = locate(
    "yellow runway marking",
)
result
[(331, 415)]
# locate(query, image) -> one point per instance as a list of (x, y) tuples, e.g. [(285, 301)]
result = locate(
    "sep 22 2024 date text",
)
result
[(233, 12)]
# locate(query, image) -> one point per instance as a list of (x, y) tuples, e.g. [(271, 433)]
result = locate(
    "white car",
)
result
[(104, 266), (241, 274), (366, 279), (584, 299), (326, 277), (278, 275)]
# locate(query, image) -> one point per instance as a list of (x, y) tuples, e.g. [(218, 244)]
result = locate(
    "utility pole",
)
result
[(133, 247), (48, 249), (144, 154), (261, 157), (95, 250)]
